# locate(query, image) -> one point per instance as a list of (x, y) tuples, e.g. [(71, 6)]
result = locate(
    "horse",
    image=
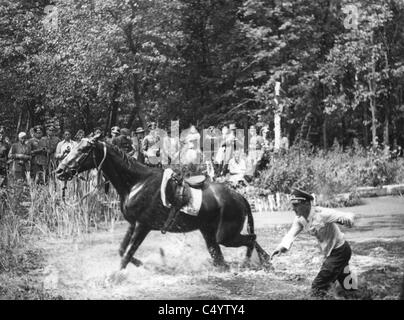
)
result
[(145, 204)]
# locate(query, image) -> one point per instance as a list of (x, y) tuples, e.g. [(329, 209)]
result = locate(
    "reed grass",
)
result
[(31, 209)]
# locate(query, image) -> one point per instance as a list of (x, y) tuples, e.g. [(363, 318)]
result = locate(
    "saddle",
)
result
[(196, 182)]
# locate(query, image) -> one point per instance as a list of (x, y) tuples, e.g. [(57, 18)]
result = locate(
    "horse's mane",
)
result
[(130, 162)]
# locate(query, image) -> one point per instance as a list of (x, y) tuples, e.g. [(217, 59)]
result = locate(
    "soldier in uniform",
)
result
[(20, 154), (39, 151), (52, 141), (4, 149), (137, 144), (322, 223)]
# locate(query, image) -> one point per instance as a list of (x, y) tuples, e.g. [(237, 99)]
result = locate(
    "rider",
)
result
[(321, 222)]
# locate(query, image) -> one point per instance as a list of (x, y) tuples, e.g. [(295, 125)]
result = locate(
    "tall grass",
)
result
[(31, 209)]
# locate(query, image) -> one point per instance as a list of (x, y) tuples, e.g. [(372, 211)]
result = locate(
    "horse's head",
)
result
[(172, 187), (81, 158)]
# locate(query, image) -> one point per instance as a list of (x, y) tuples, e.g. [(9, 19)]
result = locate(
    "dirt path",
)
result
[(178, 266)]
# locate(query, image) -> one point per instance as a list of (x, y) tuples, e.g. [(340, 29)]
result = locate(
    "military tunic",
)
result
[(39, 160), (20, 154), (4, 149)]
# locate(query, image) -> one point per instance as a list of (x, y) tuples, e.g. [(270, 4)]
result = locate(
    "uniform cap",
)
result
[(299, 196), (125, 132)]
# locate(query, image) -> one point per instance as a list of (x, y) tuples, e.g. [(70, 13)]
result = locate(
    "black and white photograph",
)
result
[(220, 151)]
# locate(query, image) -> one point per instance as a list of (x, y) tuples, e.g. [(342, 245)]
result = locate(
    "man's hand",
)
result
[(278, 251), (346, 222)]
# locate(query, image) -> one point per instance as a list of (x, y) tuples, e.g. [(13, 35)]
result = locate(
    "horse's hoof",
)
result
[(222, 267), (267, 265), (116, 278), (136, 262)]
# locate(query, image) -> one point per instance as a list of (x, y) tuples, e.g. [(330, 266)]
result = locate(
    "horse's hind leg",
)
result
[(213, 248), (139, 234)]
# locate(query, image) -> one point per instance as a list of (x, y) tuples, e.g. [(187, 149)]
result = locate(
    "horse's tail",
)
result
[(250, 218)]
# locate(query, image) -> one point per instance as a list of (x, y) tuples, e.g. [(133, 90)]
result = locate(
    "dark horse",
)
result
[(220, 219)]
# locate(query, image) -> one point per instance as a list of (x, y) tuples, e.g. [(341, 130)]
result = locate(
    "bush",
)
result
[(330, 173)]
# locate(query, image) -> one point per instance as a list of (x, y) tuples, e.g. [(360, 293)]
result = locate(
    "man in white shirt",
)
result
[(63, 148), (237, 169), (321, 223)]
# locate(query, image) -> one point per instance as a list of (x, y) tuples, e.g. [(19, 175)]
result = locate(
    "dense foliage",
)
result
[(331, 173), (91, 63)]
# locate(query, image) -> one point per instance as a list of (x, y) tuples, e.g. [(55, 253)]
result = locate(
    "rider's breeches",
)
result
[(335, 267)]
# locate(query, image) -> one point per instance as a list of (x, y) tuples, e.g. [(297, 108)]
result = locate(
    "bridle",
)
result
[(82, 160)]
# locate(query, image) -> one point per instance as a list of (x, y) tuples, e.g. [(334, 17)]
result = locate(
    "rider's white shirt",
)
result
[(320, 223)]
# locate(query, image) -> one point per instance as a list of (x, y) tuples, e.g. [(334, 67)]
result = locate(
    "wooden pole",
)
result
[(277, 117)]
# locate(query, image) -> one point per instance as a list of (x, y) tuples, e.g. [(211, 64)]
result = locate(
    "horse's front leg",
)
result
[(139, 234), (126, 240)]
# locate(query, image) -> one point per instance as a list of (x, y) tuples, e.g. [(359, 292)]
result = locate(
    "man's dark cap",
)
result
[(299, 196), (125, 132)]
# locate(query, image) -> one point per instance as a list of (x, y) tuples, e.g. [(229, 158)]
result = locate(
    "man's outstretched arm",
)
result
[(288, 239)]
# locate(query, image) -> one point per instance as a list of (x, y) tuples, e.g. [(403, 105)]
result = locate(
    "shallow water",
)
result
[(178, 266)]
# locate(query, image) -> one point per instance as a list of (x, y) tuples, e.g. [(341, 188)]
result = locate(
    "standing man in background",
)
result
[(4, 149), (52, 141), (124, 142), (63, 148), (20, 154), (151, 147), (137, 141), (115, 132), (39, 152)]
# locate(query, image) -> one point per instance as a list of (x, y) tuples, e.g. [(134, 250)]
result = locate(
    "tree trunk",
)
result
[(325, 133), (386, 140), (372, 88), (277, 117), (19, 120)]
